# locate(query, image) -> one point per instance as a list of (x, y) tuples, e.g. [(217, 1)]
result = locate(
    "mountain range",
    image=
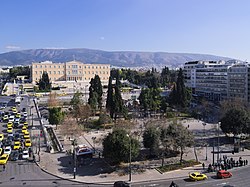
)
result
[(130, 59)]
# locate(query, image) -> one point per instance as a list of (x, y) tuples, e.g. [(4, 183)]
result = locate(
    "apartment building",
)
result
[(74, 71), (238, 82), (210, 78)]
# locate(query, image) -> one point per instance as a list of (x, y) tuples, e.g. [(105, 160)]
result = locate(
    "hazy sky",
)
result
[(218, 27)]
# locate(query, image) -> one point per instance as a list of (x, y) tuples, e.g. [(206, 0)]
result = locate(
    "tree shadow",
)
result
[(85, 167)]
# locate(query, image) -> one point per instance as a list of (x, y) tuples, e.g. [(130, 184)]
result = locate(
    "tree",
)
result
[(95, 92), (52, 101), (180, 136), (235, 121), (110, 98), (119, 107), (44, 83), (81, 113), (69, 127), (76, 99), (55, 115), (116, 146), (151, 139)]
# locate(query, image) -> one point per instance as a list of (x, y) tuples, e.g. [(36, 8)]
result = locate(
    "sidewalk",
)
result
[(97, 171)]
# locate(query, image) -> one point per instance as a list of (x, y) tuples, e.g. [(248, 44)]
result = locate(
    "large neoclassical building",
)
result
[(73, 71)]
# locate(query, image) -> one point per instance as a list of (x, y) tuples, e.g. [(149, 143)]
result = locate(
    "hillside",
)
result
[(115, 58)]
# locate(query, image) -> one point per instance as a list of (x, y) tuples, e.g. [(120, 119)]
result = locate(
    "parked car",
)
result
[(221, 174), (4, 158), (196, 176), (25, 154), (14, 155), (7, 150)]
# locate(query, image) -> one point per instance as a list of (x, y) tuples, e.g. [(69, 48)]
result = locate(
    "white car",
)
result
[(25, 154), (7, 150), (11, 118), (25, 114)]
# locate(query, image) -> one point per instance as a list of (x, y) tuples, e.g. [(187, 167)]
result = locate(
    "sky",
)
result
[(217, 27)]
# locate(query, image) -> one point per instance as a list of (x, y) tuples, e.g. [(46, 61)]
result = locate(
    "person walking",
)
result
[(203, 165), (4, 167)]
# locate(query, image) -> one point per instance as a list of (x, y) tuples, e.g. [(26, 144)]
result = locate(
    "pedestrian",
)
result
[(203, 165), (246, 162), (4, 167)]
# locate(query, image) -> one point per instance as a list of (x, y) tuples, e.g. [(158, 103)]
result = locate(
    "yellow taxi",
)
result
[(4, 158), (5, 117), (24, 129), (1, 150), (9, 130), (14, 109), (9, 124), (18, 115), (197, 176), (26, 135), (25, 124), (27, 143), (17, 145), (1, 137)]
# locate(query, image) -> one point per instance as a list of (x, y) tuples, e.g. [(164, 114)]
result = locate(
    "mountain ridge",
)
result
[(131, 59)]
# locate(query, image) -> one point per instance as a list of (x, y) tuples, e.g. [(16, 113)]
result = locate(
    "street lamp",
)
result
[(218, 143), (204, 124), (130, 174)]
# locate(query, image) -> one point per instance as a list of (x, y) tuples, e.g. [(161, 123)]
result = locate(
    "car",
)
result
[(17, 120), (17, 145), (1, 137), (26, 135), (11, 118), (5, 118), (24, 110), (27, 143), (25, 114), (197, 176), (13, 109), (1, 150), (16, 125), (7, 150), (14, 155), (25, 154), (17, 137), (121, 184), (4, 158), (9, 124), (18, 115), (221, 174), (10, 137), (24, 129), (9, 130), (26, 124)]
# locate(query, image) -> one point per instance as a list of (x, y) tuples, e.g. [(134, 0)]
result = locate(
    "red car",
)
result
[(221, 174)]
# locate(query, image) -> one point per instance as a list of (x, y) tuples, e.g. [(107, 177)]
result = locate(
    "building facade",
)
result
[(74, 71), (218, 80)]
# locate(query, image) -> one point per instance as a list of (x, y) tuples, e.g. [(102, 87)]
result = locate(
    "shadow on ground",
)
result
[(88, 167)]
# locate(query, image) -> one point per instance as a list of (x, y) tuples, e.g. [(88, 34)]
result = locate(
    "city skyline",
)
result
[(208, 27)]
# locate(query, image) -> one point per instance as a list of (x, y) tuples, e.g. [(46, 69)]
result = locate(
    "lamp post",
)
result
[(204, 124), (74, 144), (130, 173), (218, 143)]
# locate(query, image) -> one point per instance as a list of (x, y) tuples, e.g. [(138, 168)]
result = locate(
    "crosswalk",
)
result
[(14, 169)]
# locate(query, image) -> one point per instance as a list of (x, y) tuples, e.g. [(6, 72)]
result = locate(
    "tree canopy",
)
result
[(55, 115), (95, 93), (235, 121), (151, 139), (44, 83), (116, 146)]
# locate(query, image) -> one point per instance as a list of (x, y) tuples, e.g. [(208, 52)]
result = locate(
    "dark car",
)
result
[(121, 184), (24, 110), (14, 155), (17, 137), (221, 174)]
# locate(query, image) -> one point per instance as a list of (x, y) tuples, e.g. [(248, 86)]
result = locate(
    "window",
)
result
[(49, 66), (54, 66), (62, 72), (49, 72), (93, 67), (41, 72), (41, 66), (58, 72), (68, 72), (35, 72), (54, 72), (59, 67), (36, 66), (45, 66), (96, 67), (80, 66)]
